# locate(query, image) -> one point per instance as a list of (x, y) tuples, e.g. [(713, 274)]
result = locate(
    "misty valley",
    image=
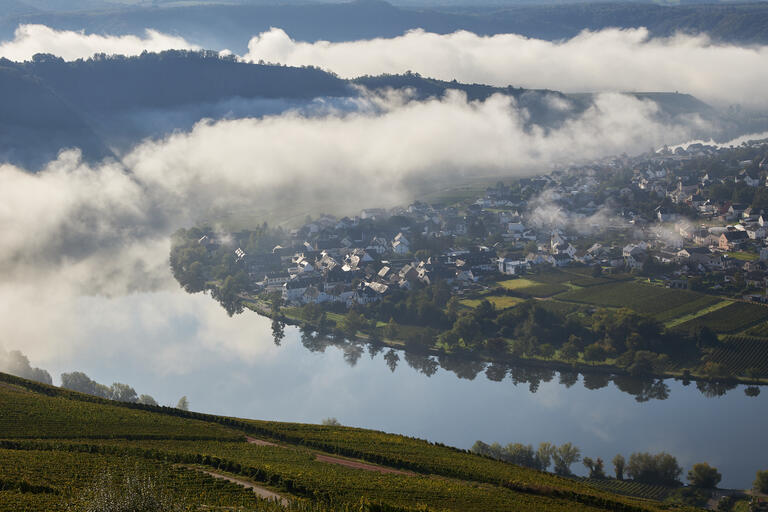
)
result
[(419, 256)]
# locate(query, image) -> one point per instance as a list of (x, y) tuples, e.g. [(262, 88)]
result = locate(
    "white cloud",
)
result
[(72, 45), (75, 230), (607, 60)]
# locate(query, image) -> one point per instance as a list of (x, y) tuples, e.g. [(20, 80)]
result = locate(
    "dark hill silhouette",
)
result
[(48, 104)]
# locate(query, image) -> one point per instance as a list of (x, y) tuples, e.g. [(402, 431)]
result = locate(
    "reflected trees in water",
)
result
[(642, 388)]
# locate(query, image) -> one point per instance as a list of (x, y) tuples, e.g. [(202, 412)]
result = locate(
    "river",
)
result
[(170, 344)]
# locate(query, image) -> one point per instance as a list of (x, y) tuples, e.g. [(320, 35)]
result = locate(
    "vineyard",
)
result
[(643, 298), (730, 319), (316, 468), (631, 488), (64, 476), (29, 415), (741, 353)]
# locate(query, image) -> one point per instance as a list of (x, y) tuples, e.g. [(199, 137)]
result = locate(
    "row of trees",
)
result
[(561, 457), (80, 382), (660, 469)]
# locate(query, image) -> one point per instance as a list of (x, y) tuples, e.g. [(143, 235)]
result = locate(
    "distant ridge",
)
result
[(49, 104)]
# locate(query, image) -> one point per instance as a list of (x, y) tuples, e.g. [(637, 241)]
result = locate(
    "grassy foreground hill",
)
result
[(61, 450)]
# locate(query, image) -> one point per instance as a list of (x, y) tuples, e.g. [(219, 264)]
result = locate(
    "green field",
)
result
[(533, 288), (43, 472), (730, 319), (499, 301), (643, 298)]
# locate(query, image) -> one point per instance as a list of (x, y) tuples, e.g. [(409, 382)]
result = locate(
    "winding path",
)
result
[(258, 490)]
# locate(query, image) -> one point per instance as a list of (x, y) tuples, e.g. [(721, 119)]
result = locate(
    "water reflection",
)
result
[(643, 389)]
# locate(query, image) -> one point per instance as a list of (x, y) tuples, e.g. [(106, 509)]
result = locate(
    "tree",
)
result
[(122, 393), (278, 331), (618, 466), (147, 400), (703, 475), (520, 454), (595, 352), (544, 455), (331, 422), (564, 457), (391, 330), (661, 468), (392, 359), (183, 404), (596, 467), (78, 381), (761, 482), (353, 322)]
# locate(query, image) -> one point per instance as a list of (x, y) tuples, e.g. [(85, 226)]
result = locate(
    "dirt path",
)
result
[(258, 442), (321, 457), (360, 465), (259, 491)]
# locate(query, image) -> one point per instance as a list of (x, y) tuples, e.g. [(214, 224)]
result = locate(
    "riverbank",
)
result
[(287, 316)]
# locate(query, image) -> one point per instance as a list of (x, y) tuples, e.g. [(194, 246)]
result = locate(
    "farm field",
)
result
[(631, 488), (175, 448), (741, 353), (730, 319), (530, 288), (499, 301), (57, 478), (643, 298)]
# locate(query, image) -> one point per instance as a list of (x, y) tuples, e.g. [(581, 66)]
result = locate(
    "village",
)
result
[(656, 215)]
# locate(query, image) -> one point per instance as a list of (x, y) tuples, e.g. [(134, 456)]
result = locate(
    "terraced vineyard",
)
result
[(52, 479), (643, 298), (730, 319), (741, 353), (631, 488), (181, 450)]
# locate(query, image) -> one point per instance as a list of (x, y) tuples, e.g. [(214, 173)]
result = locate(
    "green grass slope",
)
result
[(56, 446)]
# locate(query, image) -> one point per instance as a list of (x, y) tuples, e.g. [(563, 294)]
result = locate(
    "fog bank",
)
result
[(608, 60)]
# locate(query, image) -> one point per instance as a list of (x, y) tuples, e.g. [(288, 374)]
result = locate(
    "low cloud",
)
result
[(546, 212), (608, 60), (72, 45), (76, 230)]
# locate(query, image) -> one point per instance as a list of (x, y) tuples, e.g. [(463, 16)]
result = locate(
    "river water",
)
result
[(170, 344)]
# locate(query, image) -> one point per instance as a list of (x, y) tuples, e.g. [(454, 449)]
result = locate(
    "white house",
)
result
[(512, 267)]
